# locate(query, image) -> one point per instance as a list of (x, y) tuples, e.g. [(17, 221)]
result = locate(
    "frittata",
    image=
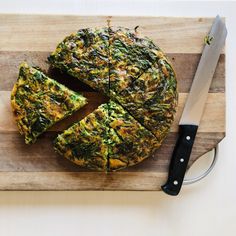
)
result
[(86, 142), (38, 102), (130, 56), (143, 81), (130, 143), (107, 139), (140, 77), (141, 84), (84, 55), (152, 98)]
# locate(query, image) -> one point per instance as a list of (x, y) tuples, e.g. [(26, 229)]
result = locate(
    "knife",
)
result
[(194, 106)]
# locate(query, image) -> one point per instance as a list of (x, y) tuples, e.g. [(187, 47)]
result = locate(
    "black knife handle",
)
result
[(180, 158)]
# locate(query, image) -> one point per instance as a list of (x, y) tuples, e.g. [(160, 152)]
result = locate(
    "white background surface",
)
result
[(207, 208)]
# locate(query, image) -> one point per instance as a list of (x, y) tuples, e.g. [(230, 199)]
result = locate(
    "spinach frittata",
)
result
[(130, 56), (86, 142), (142, 85), (143, 81), (107, 139), (130, 143), (84, 55), (139, 75), (38, 102), (152, 98)]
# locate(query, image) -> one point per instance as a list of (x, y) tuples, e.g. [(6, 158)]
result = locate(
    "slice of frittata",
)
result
[(130, 56), (152, 98), (130, 143), (38, 102), (86, 143), (84, 55), (143, 81)]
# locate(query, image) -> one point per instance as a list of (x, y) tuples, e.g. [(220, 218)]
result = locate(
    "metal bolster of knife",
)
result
[(180, 158)]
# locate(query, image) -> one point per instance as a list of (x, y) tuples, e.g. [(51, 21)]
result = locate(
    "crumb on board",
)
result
[(208, 39)]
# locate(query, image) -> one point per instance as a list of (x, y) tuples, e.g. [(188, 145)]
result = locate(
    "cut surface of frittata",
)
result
[(38, 102)]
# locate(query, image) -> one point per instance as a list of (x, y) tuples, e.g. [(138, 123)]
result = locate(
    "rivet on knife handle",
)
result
[(180, 158)]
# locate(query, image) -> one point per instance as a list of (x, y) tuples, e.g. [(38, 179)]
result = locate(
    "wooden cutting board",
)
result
[(37, 167)]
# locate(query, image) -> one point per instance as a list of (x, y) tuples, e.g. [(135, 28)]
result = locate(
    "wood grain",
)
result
[(212, 118), (9, 63), (37, 166), (16, 156), (81, 181), (42, 32)]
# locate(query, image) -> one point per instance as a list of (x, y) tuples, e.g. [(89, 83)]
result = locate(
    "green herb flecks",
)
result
[(38, 102), (208, 39)]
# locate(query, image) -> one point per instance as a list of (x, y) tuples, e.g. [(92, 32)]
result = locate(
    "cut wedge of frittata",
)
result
[(84, 55), (38, 102), (152, 98), (130, 143), (86, 143), (143, 81), (130, 56), (108, 139)]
